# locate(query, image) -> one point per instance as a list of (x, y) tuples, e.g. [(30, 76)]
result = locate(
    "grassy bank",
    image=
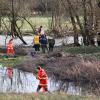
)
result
[(88, 51), (56, 96), (10, 61), (82, 50)]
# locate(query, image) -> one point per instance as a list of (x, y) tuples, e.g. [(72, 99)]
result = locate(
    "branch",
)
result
[(5, 25), (28, 23)]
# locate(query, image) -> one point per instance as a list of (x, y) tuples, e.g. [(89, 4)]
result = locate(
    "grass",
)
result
[(56, 96), (10, 62), (86, 51), (35, 21), (82, 50)]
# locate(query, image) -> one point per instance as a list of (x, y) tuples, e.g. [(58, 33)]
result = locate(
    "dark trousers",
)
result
[(51, 47), (44, 47), (45, 89), (37, 47)]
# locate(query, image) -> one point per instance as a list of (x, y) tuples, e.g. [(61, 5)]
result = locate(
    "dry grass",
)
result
[(68, 68), (56, 96)]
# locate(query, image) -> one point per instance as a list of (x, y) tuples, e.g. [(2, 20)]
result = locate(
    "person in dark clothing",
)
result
[(43, 42), (51, 43)]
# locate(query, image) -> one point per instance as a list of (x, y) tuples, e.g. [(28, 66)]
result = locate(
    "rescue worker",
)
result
[(10, 72), (10, 49), (43, 80), (37, 42)]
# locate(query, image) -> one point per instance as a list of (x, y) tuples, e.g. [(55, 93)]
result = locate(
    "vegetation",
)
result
[(35, 21), (59, 12), (35, 96), (86, 51), (10, 61), (82, 50), (62, 17)]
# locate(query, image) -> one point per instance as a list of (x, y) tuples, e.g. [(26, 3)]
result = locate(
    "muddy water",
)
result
[(26, 82)]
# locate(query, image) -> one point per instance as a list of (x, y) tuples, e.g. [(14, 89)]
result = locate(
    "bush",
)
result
[(20, 51)]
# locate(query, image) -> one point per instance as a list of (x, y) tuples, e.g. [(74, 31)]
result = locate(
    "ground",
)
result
[(66, 64), (62, 58), (36, 96)]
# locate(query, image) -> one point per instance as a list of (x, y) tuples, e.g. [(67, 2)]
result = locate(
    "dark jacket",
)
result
[(51, 42), (43, 40)]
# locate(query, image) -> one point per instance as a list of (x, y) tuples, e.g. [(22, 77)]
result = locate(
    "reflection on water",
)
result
[(21, 81), (26, 82), (72, 89)]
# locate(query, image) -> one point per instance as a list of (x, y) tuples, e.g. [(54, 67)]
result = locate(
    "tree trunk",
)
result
[(14, 25), (85, 24), (0, 23), (98, 16), (73, 21)]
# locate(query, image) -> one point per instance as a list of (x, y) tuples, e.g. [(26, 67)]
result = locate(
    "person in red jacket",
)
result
[(10, 49), (10, 72), (43, 79)]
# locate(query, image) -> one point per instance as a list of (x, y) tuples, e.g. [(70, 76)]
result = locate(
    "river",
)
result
[(29, 40), (25, 82)]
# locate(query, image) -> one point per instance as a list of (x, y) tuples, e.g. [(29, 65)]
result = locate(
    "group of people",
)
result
[(41, 40)]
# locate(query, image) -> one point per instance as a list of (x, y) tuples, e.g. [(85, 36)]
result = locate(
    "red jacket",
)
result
[(42, 77), (10, 45), (10, 72)]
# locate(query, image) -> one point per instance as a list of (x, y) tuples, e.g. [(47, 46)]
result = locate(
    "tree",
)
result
[(10, 10)]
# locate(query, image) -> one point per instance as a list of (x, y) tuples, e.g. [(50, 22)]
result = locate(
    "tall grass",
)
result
[(82, 50), (56, 96), (10, 62)]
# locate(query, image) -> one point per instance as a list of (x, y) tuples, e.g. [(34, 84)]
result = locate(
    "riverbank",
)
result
[(41, 96), (67, 64), (61, 59)]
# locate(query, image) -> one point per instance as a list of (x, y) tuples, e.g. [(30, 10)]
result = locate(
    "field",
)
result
[(34, 96), (35, 21)]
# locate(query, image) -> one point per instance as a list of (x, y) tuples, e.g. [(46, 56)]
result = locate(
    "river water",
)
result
[(21, 82), (29, 40), (25, 82)]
